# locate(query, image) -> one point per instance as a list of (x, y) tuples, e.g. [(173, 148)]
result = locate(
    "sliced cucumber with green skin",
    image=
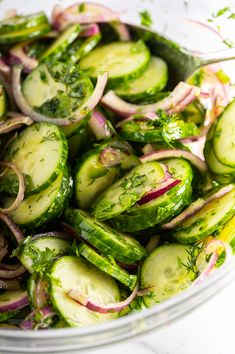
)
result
[(150, 131), (123, 194), (159, 210), (92, 178), (194, 113), (207, 220), (25, 34), (81, 48), (123, 60), (121, 247), (32, 250), (40, 152), (57, 90), (37, 209), (3, 103), (77, 142), (59, 46), (223, 141), (153, 79), (17, 23), (107, 265), (70, 272), (213, 163), (4, 316), (164, 273), (224, 179)]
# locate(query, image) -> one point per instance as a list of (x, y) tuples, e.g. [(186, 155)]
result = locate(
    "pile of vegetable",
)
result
[(117, 191)]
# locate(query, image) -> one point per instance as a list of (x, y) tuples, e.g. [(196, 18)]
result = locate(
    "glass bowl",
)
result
[(171, 19)]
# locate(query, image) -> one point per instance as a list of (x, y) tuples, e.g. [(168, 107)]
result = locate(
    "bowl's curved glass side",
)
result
[(61, 340)]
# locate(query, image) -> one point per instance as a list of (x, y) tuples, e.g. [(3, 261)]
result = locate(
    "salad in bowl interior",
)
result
[(117, 183)]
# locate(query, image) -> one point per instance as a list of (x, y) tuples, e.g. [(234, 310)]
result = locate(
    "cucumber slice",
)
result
[(33, 250), (40, 152), (59, 46), (128, 190), (37, 209), (123, 60), (206, 221), (108, 266), (80, 48), (223, 141), (107, 240), (164, 272), (224, 179), (57, 90), (154, 79), (71, 272), (213, 163), (150, 131), (17, 23), (25, 34), (194, 113), (4, 316), (92, 178), (159, 210), (3, 103)]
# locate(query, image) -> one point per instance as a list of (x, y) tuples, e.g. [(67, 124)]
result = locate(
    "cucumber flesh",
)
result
[(213, 163), (92, 178), (30, 255), (40, 152), (37, 209), (80, 48), (150, 131), (57, 90), (59, 46), (121, 247), (3, 103), (168, 205), (153, 80), (164, 272), (107, 265), (25, 34), (207, 220), (70, 272), (17, 23), (223, 141), (123, 61), (128, 190)]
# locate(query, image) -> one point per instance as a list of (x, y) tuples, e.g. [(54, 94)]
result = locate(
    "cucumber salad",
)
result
[(117, 184)]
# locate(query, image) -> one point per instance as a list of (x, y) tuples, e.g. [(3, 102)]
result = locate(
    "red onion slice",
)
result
[(110, 157), (89, 30), (92, 13), (196, 206), (18, 56), (20, 195), (13, 227), (38, 319), (81, 113), (99, 126), (213, 247), (168, 153), (146, 116), (11, 273), (101, 308), (14, 123), (160, 190), (17, 303), (182, 95)]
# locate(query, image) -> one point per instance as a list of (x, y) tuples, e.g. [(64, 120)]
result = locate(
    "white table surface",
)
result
[(208, 330)]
